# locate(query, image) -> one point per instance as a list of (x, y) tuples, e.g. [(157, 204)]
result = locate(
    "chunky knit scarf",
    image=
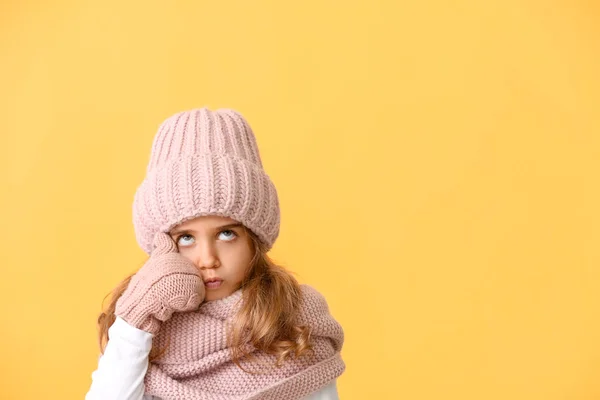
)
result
[(197, 364)]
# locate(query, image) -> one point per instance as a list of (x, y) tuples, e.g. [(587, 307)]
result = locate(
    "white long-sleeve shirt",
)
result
[(122, 367)]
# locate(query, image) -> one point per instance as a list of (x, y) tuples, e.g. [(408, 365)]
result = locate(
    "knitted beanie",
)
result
[(205, 162)]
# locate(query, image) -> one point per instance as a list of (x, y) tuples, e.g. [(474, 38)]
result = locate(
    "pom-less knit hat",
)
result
[(205, 162)]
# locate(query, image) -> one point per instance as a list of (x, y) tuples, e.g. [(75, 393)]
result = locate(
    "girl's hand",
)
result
[(166, 283)]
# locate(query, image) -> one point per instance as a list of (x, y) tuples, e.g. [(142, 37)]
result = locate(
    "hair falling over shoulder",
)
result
[(267, 320)]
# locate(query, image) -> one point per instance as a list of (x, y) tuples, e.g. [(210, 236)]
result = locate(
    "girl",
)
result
[(209, 315)]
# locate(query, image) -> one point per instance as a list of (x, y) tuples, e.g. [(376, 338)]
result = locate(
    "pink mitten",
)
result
[(166, 283)]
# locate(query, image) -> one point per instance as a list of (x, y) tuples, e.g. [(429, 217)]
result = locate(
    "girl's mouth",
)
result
[(213, 284)]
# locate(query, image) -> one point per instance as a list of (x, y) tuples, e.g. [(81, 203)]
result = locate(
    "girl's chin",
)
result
[(215, 295)]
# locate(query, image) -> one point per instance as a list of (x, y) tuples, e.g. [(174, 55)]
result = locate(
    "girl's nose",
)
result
[(207, 257)]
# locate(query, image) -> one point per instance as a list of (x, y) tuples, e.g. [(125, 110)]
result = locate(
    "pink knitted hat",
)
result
[(205, 162)]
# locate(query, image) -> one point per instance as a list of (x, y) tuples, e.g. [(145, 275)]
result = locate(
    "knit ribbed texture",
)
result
[(205, 162), (197, 364), (166, 283)]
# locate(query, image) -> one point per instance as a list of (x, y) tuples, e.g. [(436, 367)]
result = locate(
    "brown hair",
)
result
[(268, 318)]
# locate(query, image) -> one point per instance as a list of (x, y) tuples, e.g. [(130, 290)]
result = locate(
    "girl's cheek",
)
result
[(186, 253)]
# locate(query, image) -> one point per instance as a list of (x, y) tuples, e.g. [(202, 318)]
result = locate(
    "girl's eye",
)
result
[(231, 235), (183, 236)]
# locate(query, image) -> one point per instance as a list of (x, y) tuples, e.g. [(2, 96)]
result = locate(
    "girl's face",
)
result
[(220, 248)]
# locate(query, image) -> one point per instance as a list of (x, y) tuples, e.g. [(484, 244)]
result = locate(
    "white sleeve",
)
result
[(329, 392), (122, 367)]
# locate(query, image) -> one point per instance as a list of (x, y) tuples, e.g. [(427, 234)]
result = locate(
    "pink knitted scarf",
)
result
[(197, 363)]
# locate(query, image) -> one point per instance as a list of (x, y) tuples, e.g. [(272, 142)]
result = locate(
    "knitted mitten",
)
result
[(166, 283)]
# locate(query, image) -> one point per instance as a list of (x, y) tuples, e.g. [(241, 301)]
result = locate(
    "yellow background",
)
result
[(437, 164)]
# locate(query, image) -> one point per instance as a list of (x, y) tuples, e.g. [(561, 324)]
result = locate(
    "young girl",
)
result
[(209, 315)]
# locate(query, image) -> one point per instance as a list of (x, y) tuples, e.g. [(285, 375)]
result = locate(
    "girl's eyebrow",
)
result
[(222, 227)]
